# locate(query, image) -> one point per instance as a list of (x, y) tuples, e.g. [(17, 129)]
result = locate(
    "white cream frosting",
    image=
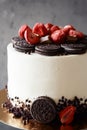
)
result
[(30, 76)]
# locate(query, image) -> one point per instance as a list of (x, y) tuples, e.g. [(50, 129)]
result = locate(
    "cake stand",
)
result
[(7, 118)]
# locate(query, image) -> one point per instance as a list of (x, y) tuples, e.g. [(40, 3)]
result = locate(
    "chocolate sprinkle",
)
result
[(24, 113), (18, 111)]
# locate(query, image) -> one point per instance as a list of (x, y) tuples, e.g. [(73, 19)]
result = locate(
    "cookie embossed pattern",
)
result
[(42, 64)]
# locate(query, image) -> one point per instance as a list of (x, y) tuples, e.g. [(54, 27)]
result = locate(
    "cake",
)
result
[(47, 73)]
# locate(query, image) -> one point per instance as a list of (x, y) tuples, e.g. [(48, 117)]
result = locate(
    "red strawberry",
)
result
[(22, 30), (66, 127), (75, 33), (67, 28), (67, 114), (48, 26), (30, 37), (58, 36), (54, 28), (80, 34), (40, 29)]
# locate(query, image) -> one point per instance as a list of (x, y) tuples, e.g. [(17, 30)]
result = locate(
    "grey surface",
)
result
[(7, 127), (14, 13)]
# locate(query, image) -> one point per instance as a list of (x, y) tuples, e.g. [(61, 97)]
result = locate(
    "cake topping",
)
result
[(67, 28), (56, 34), (66, 127), (49, 49), (30, 37), (43, 109), (67, 114), (83, 40), (21, 45), (48, 27), (54, 28), (71, 39), (16, 39), (76, 48), (40, 29), (75, 33), (22, 30)]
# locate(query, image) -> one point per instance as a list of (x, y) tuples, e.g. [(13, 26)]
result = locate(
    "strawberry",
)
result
[(48, 26), (80, 34), (22, 30), (75, 33), (58, 36), (54, 28), (30, 37), (67, 28), (40, 29), (66, 127), (67, 114)]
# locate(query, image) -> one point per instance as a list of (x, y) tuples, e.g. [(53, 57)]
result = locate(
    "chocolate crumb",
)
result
[(22, 109)]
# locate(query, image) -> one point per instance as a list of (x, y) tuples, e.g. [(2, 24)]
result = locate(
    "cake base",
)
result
[(7, 118)]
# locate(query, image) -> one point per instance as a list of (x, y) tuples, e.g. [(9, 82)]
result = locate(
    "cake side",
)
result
[(30, 76)]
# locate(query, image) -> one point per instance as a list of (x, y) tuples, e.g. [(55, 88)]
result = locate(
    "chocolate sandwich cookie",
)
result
[(83, 40), (43, 109), (74, 48), (21, 45), (16, 39), (48, 49), (71, 39)]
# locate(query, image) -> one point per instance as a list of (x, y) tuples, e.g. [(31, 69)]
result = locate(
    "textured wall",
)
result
[(14, 13)]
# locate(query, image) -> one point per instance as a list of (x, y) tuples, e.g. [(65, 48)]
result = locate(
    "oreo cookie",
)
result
[(22, 46), (48, 49), (74, 48), (71, 39), (83, 40), (43, 109), (16, 39)]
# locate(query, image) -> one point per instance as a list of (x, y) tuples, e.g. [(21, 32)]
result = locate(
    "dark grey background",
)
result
[(14, 13)]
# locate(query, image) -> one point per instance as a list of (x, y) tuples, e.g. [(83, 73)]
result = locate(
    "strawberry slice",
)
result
[(30, 37), (54, 28), (75, 33), (58, 36), (40, 29), (66, 127), (48, 27), (67, 28), (80, 34), (67, 114), (22, 30)]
